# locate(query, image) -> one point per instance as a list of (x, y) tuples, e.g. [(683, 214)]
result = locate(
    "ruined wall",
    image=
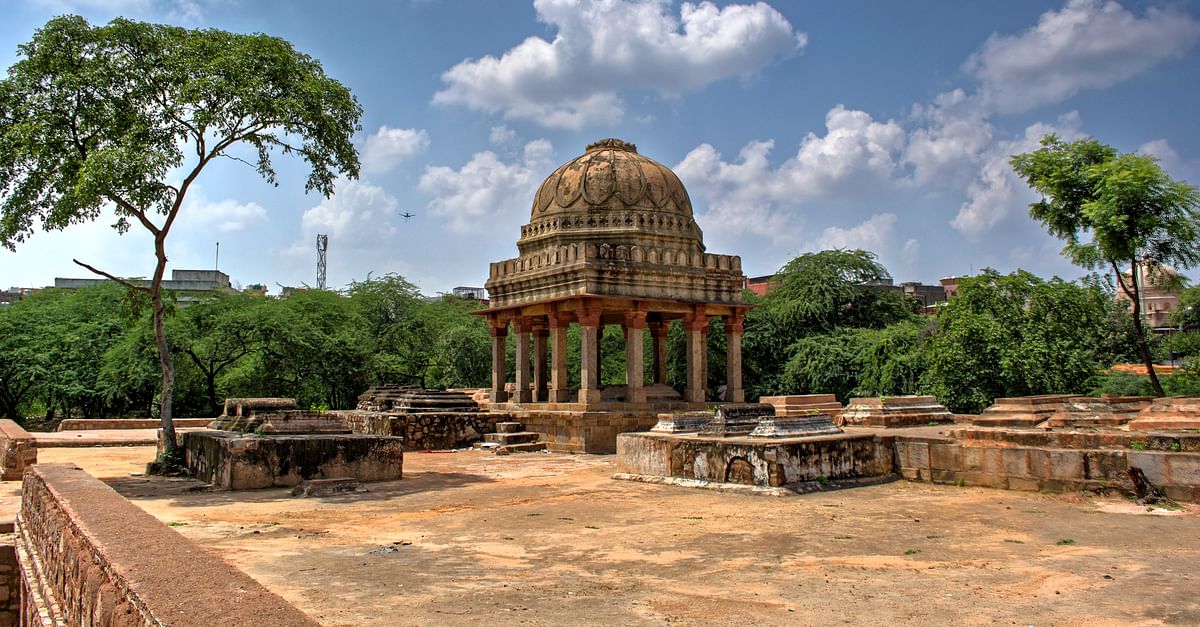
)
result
[(10, 579), (425, 430), (93, 424), (90, 557), (17, 450), (232, 461)]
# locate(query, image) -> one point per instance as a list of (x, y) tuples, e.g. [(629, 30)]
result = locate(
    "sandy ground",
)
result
[(546, 539)]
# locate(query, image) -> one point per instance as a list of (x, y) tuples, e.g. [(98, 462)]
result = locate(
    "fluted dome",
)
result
[(611, 175)]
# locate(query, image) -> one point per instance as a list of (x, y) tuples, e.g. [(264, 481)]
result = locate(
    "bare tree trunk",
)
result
[(170, 445), (1139, 333)]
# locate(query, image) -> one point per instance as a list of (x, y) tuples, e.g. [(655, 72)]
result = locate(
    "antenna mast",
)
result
[(322, 248)]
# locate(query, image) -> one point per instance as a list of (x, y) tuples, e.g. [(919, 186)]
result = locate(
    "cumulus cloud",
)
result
[(875, 234), (226, 215), (751, 196), (608, 46), (1171, 161), (186, 10), (997, 190), (1089, 44), (502, 136), (358, 211), (952, 133), (387, 147), (487, 189)]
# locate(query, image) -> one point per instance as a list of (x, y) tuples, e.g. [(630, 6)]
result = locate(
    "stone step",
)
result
[(509, 427), (505, 439), (528, 447), (1008, 421)]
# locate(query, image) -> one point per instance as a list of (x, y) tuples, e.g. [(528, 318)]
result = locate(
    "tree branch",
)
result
[(102, 273)]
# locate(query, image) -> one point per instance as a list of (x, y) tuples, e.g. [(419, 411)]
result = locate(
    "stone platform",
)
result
[(1104, 411), (894, 411), (1171, 413), (426, 419), (234, 461), (793, 464), (1021, 411), (578, 428), (800, 404)]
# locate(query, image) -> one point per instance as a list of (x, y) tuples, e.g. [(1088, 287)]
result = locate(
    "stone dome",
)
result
[(611, 175)]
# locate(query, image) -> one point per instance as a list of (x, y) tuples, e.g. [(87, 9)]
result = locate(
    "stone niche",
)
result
[(894, 411)]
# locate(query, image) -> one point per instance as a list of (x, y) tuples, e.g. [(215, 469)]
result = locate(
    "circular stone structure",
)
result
[(611, 239)]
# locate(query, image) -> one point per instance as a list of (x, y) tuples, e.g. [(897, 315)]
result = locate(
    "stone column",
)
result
[(658, 347), (522, 326), (733, 358), (589, 372), (635, 324), (540, 334), (498, 330), (696, 327), (560, 391)]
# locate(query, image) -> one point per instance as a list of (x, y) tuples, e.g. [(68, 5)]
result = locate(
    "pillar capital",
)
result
[(735, 323), (635, 320), (522, 325), (558, 320), (497, 327), (659, 328), (695, 322), (588, 314)]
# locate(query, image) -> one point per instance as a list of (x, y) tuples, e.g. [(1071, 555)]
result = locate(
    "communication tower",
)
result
[(322, 249)]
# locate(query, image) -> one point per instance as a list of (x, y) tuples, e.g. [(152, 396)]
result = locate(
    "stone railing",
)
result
[(633, 221), (90, 557), (18, 451), (588, 251)]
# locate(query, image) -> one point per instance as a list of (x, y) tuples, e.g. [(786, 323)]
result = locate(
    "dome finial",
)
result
[(612, 143)]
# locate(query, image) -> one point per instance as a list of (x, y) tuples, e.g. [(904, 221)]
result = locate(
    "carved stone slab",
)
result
[(795, 426), (682, 422), (734, 420)]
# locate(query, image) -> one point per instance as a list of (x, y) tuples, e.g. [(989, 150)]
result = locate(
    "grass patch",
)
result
[(1066, 542), (693, 518), (843, 537), (1139, 445), (177, 524), (933, 537), (1010, 541), (912, 551)]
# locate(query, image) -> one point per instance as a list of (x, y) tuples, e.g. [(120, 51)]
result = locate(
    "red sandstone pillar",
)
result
[(589, 355), (498, 330), (658, 347), (540, 334), (560, 391), (635, 324), (696, 326), (523, 326), (733, 358)]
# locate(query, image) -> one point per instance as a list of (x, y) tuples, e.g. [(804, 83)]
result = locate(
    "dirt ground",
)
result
[(548, 539)]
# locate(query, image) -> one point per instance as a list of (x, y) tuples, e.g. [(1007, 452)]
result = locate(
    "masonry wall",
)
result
[(90, 557), (423, 430), (17, 450), (10, 579)]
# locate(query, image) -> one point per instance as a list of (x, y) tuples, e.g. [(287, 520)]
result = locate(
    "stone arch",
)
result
[(739, 470)]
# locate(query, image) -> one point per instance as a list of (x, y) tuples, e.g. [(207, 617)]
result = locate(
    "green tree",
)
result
[(1119, 212), (104, 116), (213, 336), (1187, 315)]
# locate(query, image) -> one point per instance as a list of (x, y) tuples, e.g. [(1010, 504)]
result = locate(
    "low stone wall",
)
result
[(1014, 465), (90, 557), (10, 580), (754, 461), (83, 424), (232, 461), (18, 450), (424, 431), (583, 431)]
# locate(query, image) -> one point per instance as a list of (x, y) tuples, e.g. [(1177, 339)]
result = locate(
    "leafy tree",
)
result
[(105, 116), (1187, 315), (1115, 211), (213, 336)]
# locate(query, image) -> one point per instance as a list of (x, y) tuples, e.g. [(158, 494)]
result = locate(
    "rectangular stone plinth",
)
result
[(734, 420), (894, 411), (581, 431), (795, 426), (423, 431), (18, 450), (1022, 411), (753, 461), (1169, 414), (1105, 411), (231, 461), (682, 421), (800, 404)]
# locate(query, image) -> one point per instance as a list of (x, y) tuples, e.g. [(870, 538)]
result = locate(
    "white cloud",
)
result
[(358, 211), (226, 215), (750, 196), (945, 151), (487, 190), (605, 47), (1089, 44), (502, 136), (185, 10), (997, 190), (387, 147), (876, 234), (1171, 161)]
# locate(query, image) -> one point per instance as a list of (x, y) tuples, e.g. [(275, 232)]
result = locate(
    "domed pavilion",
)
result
[(611, 240)]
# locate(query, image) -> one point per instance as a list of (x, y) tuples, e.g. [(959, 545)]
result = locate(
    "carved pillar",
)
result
[(560, 391), (733, 358), (658, 347), (522, 326), (696, 327), (589, 355), (498, 330), (635, 324), (540, 334)]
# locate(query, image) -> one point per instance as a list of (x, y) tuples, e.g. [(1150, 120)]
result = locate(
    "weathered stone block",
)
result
[(946, 456), (18, 450), (231, 461)]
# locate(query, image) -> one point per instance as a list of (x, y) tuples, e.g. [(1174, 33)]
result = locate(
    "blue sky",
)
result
[(795, 127)]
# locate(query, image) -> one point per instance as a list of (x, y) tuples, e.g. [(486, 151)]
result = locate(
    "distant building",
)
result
[(14, 294), (255, 289), (1159, 292), (760, 285), (188, 285), (950, 286), (470, 293)]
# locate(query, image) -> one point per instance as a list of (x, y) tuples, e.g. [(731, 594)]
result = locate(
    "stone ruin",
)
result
[(1170, 413), (426, 419), (802, 404), (894, 411), (1104, 411), (1022, 411), (261, 443)]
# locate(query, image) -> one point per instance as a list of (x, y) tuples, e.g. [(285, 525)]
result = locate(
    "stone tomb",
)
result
[(1169, 414), (803, 404), (1092, 412), (285, 447), (1022, 411), (426, 419), (894, 411)]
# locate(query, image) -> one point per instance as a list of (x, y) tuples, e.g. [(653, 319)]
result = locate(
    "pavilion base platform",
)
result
[(894, 411), (1022, 411), (769, 465), (235, 461), (585, 428)]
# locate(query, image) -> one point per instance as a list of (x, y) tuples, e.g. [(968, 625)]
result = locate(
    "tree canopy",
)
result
[(1118, 212)]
